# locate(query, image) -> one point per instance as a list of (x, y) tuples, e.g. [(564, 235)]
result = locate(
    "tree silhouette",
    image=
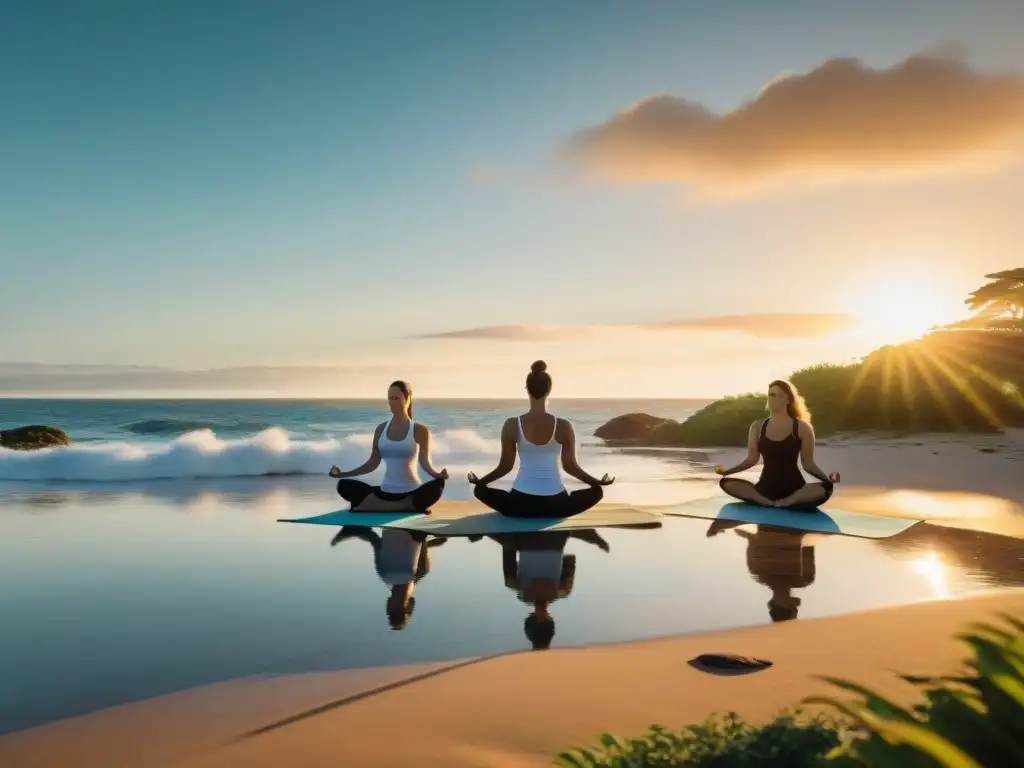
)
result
[(999, 304)]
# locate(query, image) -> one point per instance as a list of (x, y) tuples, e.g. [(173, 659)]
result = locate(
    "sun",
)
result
[(898, 308)]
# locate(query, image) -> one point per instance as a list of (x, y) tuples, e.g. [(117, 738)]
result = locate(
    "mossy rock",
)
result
[(631, 427), (33, 437)]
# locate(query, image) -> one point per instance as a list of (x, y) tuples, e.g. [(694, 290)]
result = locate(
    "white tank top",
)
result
[(399, 556), (539, 472), (399, 457), (538, 565)]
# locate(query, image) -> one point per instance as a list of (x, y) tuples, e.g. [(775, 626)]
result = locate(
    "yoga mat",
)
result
[(470, 518), (825, 520), (364, 519)]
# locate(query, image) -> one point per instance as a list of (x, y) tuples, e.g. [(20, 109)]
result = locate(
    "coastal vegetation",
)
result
[(964, 377), (973, 720), (33, 437)]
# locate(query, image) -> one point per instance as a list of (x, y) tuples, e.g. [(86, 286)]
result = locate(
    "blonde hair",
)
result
[(796, 407)]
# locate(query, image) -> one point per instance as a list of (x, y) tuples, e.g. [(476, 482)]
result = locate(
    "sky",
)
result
[(658, 198)]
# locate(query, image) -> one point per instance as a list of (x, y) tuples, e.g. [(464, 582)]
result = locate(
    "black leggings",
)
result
[(744, 490), (518, 504), (423, 498)]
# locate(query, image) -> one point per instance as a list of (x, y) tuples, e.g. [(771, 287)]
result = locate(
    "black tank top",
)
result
[(780, 475)]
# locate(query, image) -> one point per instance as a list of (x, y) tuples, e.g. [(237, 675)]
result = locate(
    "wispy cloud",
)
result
[(806, 325), (840, 121), (65, 379), (520, 332)]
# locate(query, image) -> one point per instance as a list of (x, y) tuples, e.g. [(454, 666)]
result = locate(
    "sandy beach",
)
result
[(511, 711)]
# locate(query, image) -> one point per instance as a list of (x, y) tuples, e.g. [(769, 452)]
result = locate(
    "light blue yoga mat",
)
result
[(470, 518), (365, 519), (825, 520)]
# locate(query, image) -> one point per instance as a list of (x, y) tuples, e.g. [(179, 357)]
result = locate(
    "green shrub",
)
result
[(945, 382), (719, 741), (968, 721), (971, 721), (829, 393), (723, 422)]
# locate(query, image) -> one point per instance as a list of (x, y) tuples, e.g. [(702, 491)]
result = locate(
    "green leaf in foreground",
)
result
[(964, 721)]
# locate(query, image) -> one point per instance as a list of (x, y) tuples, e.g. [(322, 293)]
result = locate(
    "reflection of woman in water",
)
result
[(543, 441), (537, 569), (780, 440), (397, 442), (779, 560), (401, 559)]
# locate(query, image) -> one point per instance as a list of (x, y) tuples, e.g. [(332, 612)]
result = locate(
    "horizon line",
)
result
[(332, 398)]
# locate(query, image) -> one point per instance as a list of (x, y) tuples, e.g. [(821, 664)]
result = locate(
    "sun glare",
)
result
[(934, 571), (899, 308)]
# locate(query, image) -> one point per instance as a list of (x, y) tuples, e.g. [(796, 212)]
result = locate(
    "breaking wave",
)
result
[(202, 454)]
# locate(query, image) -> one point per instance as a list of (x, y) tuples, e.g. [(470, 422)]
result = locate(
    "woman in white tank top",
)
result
[(401, 559), (537, 569), (397, 442), (546, 445)]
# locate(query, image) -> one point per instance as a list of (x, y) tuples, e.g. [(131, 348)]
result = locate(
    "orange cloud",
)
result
[(840, 121), (763, 326)]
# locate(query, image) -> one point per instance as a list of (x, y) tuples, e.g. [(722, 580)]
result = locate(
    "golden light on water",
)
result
[(931, 567)]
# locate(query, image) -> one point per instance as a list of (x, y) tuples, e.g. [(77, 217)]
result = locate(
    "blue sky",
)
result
[(206, 184)]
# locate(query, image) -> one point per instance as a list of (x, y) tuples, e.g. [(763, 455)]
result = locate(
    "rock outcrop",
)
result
[(630, 427), (33, 437)]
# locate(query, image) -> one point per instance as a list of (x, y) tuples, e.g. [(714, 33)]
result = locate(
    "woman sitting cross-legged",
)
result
[(398, 441), (782, 439), (545, 444)]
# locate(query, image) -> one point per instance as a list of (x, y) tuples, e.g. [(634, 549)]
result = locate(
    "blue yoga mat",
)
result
[(365, 519), (825, 520), (470, 518)]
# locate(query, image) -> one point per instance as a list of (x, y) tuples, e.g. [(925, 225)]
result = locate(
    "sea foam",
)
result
[(202, 454)]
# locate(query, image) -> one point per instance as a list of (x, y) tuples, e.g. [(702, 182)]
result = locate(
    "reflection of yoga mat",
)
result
[(823, 521), (470, 518)]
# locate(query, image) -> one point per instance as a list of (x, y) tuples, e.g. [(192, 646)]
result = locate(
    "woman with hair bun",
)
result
[(398, 441), (780, 440), (546, 445)]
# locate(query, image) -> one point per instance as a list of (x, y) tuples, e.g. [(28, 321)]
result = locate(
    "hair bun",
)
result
[(539, 367)]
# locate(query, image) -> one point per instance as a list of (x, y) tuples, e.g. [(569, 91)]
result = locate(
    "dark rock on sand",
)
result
[(631, 427), (33, 437), (728, 664)]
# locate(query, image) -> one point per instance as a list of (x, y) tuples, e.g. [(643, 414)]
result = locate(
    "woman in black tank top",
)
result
[(781, 441)]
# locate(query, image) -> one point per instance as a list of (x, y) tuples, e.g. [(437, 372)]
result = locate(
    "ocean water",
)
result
[(147, 557), (121, 440)]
